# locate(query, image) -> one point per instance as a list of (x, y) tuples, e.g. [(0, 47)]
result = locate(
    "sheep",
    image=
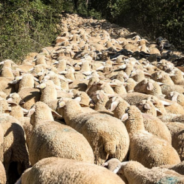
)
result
[(18, 113), (29, 97), (14, 146), (162, 77), (135, 173), (176, 97), (118, 87), (170, 107), (172, 118), (48, 94), (112, 137), (100, 99), (118, 107), (176, 130), (149, 154), (83, 98), (151, 123), (147, 107), (67, 171), (101, 85), (138, 75), (2, 174), (177, 76), (156, 127), (148, 86), (54, 139), (130, 85), (27, 81), (7, 73), (135, 98), (5, 85)]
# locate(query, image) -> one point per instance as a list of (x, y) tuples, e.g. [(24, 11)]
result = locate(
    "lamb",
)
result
[(107, 139), (67, 171), (149, 154), (2, 174), (135, 173), (54, 139)]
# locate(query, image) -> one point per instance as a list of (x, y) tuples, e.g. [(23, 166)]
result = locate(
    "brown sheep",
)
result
[(149, 154), (67, 171), (55, 139), (106, 138), (135, 173)]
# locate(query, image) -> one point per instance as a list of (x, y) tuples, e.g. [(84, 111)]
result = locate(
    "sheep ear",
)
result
[(41, 86), (147, 74), (149, 86), (113, 84), (174, 97), (22, 102), (114, 105), (160, 83), (36, 79), (62, 104), (54, 113), (165, 103), (158, 111), (13, 82), (57, 87), (9, 100), (78, 99), (8, 110), (124, 117), (105, 164), (31, 111), (25, 111), (117, 169), (100, 96), (147, 106)]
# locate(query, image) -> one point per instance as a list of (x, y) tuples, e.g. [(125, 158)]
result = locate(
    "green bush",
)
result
[(27, 26)]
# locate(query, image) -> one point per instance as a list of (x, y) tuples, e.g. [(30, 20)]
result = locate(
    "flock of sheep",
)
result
[(88, 111)]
